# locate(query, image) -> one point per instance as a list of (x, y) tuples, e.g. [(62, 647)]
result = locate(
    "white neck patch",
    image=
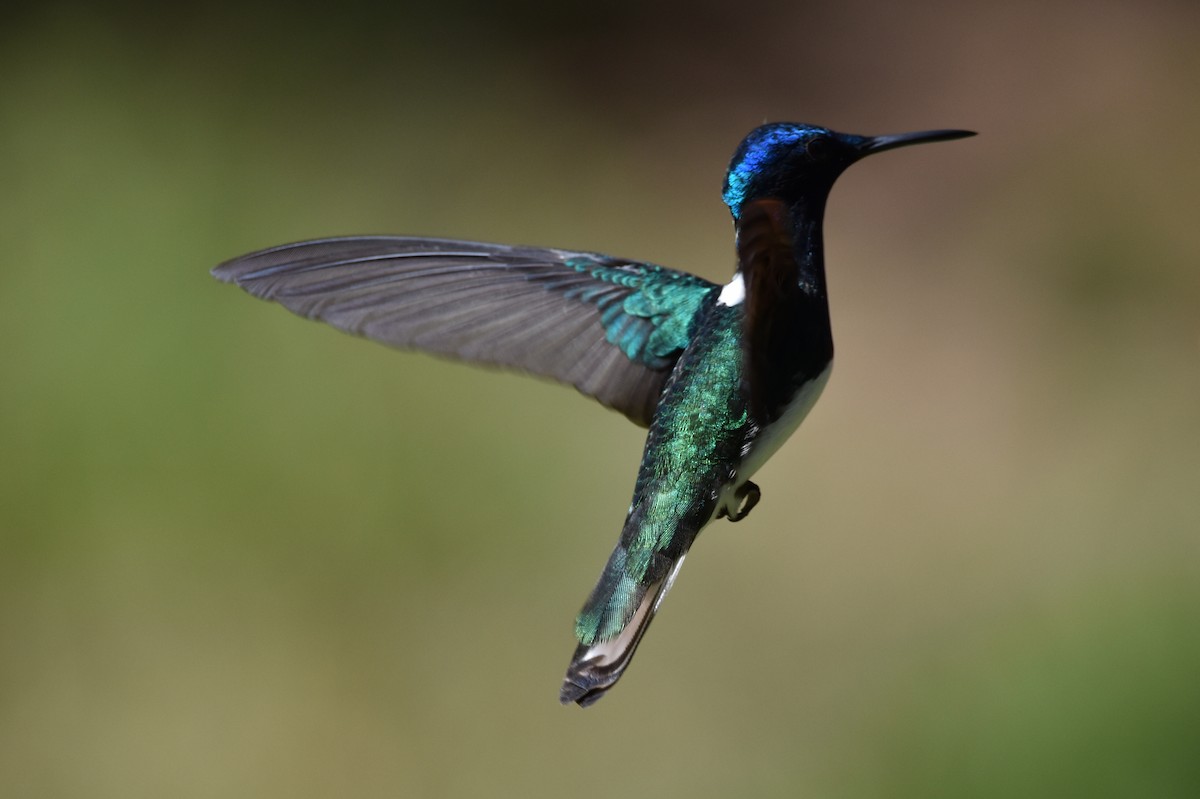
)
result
[(734, 291)]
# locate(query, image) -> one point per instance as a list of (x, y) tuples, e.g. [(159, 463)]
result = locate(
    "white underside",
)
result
[(772, 438)]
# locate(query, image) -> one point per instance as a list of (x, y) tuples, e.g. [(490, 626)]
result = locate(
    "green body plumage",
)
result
[(695, 443)]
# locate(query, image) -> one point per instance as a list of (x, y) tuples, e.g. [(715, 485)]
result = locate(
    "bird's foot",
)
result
[(747, 497)]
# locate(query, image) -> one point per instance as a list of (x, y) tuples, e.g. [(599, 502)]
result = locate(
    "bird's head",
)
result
[(789, 161)]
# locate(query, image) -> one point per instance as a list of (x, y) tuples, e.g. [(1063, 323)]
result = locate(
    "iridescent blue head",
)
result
[(792, 161)]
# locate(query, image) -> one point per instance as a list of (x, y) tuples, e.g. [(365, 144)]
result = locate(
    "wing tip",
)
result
[(236, 269), (227, 271)]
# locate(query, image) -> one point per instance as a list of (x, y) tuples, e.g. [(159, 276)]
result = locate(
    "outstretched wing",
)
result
[(610, 327)]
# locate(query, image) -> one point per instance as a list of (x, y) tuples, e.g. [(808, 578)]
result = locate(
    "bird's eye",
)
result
[(819, 147)]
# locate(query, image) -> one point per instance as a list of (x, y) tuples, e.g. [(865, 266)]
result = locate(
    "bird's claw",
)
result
[(747, 497)]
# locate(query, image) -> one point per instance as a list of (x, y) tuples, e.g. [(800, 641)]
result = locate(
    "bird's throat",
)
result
[(787, 340)]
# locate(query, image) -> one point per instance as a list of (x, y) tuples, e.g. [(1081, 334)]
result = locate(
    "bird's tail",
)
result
[(612, 623)]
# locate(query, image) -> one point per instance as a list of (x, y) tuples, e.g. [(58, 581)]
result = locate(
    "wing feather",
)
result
[(612, 328)]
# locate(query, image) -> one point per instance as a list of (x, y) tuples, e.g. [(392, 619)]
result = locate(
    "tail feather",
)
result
[(612, 602), (611, 626)]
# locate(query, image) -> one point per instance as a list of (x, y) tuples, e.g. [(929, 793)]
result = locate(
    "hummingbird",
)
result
[(720, 375)]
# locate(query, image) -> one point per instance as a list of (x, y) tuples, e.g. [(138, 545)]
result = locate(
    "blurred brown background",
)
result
[(244, 555)]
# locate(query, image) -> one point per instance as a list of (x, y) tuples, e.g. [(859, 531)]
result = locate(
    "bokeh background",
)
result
[(245, 555)]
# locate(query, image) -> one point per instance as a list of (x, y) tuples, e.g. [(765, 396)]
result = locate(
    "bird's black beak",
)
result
[(877, 144)]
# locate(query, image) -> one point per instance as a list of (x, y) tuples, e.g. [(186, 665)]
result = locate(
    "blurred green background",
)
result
[(245, 555)]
